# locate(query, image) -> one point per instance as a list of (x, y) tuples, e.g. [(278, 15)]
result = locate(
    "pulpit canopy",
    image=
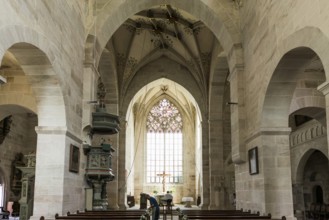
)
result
[(105, 123)]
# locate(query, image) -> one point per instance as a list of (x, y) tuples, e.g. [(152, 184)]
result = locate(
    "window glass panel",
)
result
[(164, 143)]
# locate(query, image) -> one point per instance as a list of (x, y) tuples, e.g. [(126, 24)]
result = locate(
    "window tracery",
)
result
[(164, 144), (164, 117)]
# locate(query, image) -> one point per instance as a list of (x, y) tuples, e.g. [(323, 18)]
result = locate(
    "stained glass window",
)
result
[(164, 143)]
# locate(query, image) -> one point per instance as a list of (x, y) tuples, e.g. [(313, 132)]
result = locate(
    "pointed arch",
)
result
[(224, 29)]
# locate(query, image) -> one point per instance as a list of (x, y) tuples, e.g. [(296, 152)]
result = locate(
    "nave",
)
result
[(178, 212)]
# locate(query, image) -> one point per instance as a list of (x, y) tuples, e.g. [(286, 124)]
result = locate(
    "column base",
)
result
[(123, 206), (213, 207), (204, 206), (113, 207)]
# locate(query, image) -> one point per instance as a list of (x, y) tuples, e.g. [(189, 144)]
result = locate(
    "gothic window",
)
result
[(164, 144)]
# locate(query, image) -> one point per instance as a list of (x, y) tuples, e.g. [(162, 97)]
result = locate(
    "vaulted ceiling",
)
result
[(163, 31)]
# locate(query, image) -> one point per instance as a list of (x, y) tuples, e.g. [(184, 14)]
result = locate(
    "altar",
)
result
[(188, 201), (161, 199)]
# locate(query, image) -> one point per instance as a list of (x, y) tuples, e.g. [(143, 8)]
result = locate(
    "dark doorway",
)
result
[(318, 194)]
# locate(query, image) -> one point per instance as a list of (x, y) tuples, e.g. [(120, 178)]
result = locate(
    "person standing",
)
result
[(155, 207)]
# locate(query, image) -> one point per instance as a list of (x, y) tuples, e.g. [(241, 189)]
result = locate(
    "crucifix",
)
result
[(163, 175)]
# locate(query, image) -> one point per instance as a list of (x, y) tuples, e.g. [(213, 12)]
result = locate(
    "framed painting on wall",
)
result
[(74, 159), (253, 161)]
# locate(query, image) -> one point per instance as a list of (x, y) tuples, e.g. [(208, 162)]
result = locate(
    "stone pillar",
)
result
[(90, 76), (122, 200), (52, 174), (236, 79), (275, 168), (216, 164), (205, 164), (112, 187), (324, 88)]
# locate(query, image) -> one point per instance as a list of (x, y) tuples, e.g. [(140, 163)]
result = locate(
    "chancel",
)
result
[(221, 102)]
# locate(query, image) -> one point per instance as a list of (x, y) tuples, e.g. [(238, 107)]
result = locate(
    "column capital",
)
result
[(57, 130), (269, 131), (51, 129)]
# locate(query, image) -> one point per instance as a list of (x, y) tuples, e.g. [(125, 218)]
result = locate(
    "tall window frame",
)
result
[(164, 144), (2, 195)]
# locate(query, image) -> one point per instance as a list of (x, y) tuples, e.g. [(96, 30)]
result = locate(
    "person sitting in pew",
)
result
[(168, 198)]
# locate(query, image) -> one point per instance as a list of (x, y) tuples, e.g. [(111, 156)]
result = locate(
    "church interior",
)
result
[(220, 102)]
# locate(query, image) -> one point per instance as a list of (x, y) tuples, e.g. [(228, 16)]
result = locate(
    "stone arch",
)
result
[(108, 76), (172, 96), (311, 173), (286, 70), (114, 14), (303, 158), (6, 103), (310, 38), (313, 111), (140, 105), (282, 86), (37, 57), (146, 75)]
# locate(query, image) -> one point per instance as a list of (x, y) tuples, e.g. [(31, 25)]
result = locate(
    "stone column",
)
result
[(90, 76), (236, 79), (216, 164), (122, 167), (205, 200), (52, 174), (112, 187), (324, 88), (275, 168)]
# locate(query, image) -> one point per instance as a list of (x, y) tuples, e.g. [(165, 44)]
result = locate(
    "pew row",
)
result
[(223, 214), (102, 215)]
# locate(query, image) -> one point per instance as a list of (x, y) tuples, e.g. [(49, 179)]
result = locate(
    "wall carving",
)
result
[(307, 133)]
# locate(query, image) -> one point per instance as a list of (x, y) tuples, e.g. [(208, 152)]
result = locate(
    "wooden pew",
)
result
[(114, 212), (324, 214), (102, 215), (227, 217), (222, 214), (219, 212)]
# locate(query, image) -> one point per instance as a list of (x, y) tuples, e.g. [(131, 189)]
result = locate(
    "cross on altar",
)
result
[(163, 175)]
